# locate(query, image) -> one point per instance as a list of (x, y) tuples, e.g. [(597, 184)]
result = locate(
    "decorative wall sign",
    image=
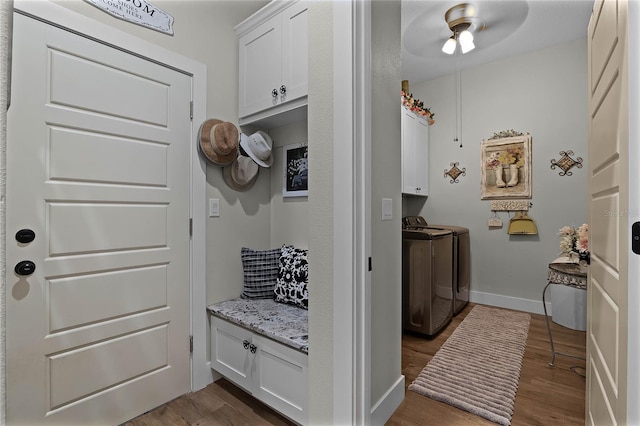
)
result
[(295, 179), (566, 163), (494, 222), (506, 167), (139, 12), (454, 172), (510, 205)]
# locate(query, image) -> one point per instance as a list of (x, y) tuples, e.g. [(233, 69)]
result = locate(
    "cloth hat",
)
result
[(218, 141), (241, 174), (258, 146)]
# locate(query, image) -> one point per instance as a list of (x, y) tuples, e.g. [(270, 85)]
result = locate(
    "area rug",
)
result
[(478, 368)]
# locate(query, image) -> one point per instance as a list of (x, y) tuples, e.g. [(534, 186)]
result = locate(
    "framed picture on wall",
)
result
[(295, 170), (506, 167)]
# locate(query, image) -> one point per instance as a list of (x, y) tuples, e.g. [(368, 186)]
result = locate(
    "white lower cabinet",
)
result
[(272, 372)]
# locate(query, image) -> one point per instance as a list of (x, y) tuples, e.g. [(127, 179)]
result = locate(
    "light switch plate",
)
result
[(214, 207), (387, 209)]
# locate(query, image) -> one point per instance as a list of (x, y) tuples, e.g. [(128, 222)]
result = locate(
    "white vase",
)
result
[(513, 170), (499, 182)]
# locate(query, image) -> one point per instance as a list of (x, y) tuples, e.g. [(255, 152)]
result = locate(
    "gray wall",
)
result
[(543, 93), (386, 279)]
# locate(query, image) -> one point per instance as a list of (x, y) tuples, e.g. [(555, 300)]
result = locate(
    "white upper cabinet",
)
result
[(415, 153), (273, 54)]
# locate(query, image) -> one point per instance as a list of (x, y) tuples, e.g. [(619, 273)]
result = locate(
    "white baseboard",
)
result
[(388, 404), (508, 302)]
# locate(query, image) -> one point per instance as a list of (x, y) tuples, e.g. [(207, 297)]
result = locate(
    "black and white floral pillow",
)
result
[(293, 277)]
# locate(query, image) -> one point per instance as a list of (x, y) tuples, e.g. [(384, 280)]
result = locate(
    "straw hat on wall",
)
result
[(218, 141)]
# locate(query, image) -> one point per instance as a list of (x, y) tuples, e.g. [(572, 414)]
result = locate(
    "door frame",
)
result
[(352, 198), (66, 19), (633, 324)]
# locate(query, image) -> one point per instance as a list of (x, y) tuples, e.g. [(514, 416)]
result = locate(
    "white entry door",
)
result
[(98, 150), (606, 397)]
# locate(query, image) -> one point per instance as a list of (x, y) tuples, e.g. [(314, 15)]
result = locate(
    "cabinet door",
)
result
[(415, 162), (260, 66), (229, 356), (294, 51), (281, 378), (421, 156), (407, 136)]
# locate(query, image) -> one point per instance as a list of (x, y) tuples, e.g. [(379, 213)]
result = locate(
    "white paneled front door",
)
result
[(98, 168), (608, 305)]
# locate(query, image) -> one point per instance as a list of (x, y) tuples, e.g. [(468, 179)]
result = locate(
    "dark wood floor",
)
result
[(546, 395)]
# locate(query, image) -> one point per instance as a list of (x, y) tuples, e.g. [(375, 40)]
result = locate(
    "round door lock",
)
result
[(25, 267)]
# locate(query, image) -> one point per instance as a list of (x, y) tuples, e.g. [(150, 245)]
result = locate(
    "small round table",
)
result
[(569, 274)]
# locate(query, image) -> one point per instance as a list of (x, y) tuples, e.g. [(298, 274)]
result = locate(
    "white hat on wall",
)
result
[(258, 146)]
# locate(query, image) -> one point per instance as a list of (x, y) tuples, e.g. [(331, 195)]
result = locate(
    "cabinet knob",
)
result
[(274, 93), (253, 348), (283, 89), (245, 344)]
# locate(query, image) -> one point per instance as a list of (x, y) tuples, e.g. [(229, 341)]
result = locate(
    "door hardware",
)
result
[(25, 236), (25, 267)]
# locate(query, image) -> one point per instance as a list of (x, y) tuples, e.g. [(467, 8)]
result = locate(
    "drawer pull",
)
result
[(253, 348), (274, 93), (245, 344), (283, 89)]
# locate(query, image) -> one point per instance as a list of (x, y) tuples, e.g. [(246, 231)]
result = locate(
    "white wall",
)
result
[(289, 216), (321, 267), (543, 93)]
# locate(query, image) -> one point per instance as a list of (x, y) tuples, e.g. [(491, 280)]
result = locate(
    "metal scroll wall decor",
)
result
[(454, 172), (566, 163)]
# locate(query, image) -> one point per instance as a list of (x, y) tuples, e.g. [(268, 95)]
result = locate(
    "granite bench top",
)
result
[(287, 324)]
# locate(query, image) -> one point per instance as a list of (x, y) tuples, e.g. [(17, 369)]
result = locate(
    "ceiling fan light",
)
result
[(466, 41), (449, 46), (465, 37), (467, 47)]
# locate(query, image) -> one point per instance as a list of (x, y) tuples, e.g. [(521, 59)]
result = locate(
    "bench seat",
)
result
[(284, 323)]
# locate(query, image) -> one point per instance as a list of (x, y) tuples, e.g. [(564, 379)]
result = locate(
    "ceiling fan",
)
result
[(463, 21)]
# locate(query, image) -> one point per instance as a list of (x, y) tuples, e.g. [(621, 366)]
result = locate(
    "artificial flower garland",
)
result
[(417, 106)]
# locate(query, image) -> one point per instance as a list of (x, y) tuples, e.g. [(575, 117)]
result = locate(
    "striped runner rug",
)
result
[(478, 368)]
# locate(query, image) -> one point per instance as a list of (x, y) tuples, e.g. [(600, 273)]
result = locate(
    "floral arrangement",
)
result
[(417, 106), (512, 155), (493, 161), (574, 239)]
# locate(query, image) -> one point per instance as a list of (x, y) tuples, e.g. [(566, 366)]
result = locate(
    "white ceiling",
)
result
[(512, 27)]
